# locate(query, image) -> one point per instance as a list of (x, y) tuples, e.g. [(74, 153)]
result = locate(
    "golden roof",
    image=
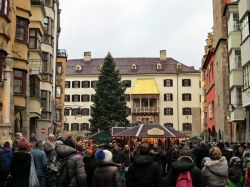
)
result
[(145, 86)]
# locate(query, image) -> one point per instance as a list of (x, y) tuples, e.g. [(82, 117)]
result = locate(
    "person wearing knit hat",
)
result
[(21, 164), (185, 165), (215, 171), (107, 173), (23, 144)]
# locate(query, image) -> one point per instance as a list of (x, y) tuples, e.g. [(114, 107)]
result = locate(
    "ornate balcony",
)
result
[(145, 110)]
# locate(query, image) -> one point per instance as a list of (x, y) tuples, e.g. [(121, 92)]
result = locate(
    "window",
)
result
[(66, 112), (168, 111), (85, 84), (186, 111), (85, 111), (58, 115), (236, 23), (186, 82), (47, 63), (66, 127), (34, 86), (85, 98), (46, 25), (19, 82), (159, 66), (67, 84), (75, 111), (186, 97), (2, 59), (67, 98), (58, 91), (22, 29), (168, 97), (246, 76), (4, 7), (187, 127), (93, 84), (35, 39), (75, 126), (84, 126), (58, 68), (92, 97), (75, 98), (48, 3), (245, 27), (126, 83), (46, 98), (75, 84), (127, 97), (169, 125), (168, 82), (238, 96)]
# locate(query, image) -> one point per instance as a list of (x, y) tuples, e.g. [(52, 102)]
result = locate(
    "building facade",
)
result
[(244, 18), (29, 37), (237, 113), (221, 72), (60, 88), (158, 91), (209, 94)]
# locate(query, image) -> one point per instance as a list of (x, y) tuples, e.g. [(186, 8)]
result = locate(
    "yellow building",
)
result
[(158, 91), (28, 43)]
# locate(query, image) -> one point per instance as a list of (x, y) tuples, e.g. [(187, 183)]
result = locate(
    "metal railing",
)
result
[(145, 109)]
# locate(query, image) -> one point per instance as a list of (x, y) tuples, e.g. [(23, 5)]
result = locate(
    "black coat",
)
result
[(144, 171), (20, 169), (200, 153), (90, 164), (75, 165), (184, 164), (107, 174)]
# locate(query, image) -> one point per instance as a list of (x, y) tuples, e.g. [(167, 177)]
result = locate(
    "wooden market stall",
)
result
[(149, 133)]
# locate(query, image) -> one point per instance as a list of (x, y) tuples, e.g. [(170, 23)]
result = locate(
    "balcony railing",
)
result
[(145, 110)]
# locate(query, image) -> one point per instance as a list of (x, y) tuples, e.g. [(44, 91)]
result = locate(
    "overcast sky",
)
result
[(136, 28)]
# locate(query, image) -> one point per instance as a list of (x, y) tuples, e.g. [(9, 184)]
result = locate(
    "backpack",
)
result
[(63, 177), (5, 160), (184, 179)]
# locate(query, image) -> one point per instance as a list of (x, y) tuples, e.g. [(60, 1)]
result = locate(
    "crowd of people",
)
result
[(65, 162)]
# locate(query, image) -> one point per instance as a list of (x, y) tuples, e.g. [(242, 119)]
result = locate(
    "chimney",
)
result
[(87, 56), (163, 55)]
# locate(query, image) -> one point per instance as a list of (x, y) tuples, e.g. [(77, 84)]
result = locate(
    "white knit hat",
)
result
[(108, 156)]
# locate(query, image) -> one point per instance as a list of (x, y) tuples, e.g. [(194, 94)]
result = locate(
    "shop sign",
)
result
[(155, 131)]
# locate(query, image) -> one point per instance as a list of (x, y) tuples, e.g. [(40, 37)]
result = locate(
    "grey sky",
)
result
[(136, 28)]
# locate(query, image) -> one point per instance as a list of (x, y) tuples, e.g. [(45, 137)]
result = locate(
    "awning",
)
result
[(150, 131), (101, 137), (145, 86)]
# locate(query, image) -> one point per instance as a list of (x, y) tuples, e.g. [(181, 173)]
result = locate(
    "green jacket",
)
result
[(240, 183)]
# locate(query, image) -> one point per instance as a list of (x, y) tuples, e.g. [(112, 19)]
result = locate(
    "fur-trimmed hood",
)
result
[(218, 167), (183, 163)]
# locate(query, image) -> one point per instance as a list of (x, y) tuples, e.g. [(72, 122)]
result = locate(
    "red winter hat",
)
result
[(23, 144)]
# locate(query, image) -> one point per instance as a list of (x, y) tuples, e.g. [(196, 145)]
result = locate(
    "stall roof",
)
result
[(150, 131)]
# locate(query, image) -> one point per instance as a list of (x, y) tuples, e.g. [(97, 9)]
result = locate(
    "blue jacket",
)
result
[(6, 157), (40, 161)]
